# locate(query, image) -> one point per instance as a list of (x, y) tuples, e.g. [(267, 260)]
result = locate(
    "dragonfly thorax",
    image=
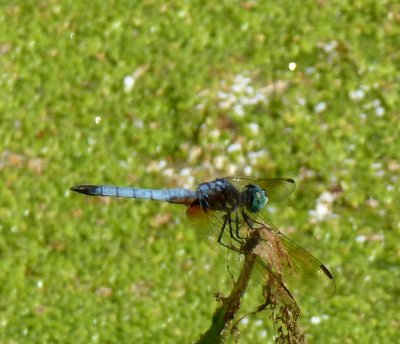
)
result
[(219, 194), (254, 198)]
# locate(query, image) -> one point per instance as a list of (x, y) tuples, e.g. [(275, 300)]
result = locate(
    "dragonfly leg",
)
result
[(230, 227), (221, 233), (237, 226), (227, 221), (249, 222), (235, 235)]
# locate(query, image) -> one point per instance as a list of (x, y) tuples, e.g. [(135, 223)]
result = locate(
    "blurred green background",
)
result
[(167, 94)]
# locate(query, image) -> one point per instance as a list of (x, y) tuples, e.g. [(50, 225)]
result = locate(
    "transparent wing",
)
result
[(300, 271), (277, 189), (277, 255)]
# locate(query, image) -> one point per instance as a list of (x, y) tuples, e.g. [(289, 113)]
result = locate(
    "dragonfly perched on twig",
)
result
[(236, 203)]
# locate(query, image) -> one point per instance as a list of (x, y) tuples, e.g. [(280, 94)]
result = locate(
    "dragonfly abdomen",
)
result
[(180, 196)]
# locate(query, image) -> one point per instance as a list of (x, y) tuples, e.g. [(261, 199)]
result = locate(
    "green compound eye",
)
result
[(254, 198)]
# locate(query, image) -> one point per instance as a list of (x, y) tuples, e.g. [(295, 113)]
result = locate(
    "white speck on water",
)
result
[(244, 321), (260, 97), (376, 102), (234, 147), (194, 153), (238, 110), (382, 213), (242, 94), (182, 14), (138, 123), (248, 170), (200, 106), (231, 169), (292, 66), (97, 119), (321, 106), (225, 104), (185, 171), (323, 207), (310, 70), (259, 322), (302, 101), (169, 172), (379, 111), (222, 95), (357, 94), (129, 83), (248, 101), (219, 161), (351, 147), (389, 187), (258, 154), (240, 82), (372, 202), (91, 141), (162, 164), (322, 210), (249, 90), (376, 165), (215, 133), (255, 128), (327, 197), (116, 25), (237, 88), (207, 267), (315, 320), (39, 284), (329, 47), (361, 238)]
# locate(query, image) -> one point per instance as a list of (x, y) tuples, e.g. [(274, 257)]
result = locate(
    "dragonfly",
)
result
[(237, 205)]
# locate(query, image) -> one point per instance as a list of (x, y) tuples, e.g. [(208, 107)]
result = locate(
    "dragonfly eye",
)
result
[(255, 198)]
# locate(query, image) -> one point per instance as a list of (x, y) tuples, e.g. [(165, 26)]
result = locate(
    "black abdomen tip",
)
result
[(91, 190)]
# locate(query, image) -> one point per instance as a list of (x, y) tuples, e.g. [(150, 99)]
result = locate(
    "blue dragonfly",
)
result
[(236, 205)]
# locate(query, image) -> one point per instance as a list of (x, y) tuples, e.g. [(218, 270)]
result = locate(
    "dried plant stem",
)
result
[(225, 314)]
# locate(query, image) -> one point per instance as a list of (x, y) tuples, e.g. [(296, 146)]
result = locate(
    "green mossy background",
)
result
[(301, 89)]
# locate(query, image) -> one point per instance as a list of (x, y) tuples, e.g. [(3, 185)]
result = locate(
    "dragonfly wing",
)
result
[(299, 270), (211, 222), (277, 189)]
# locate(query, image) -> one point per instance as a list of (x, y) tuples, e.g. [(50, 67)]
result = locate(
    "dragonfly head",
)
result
[(254, 197)]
